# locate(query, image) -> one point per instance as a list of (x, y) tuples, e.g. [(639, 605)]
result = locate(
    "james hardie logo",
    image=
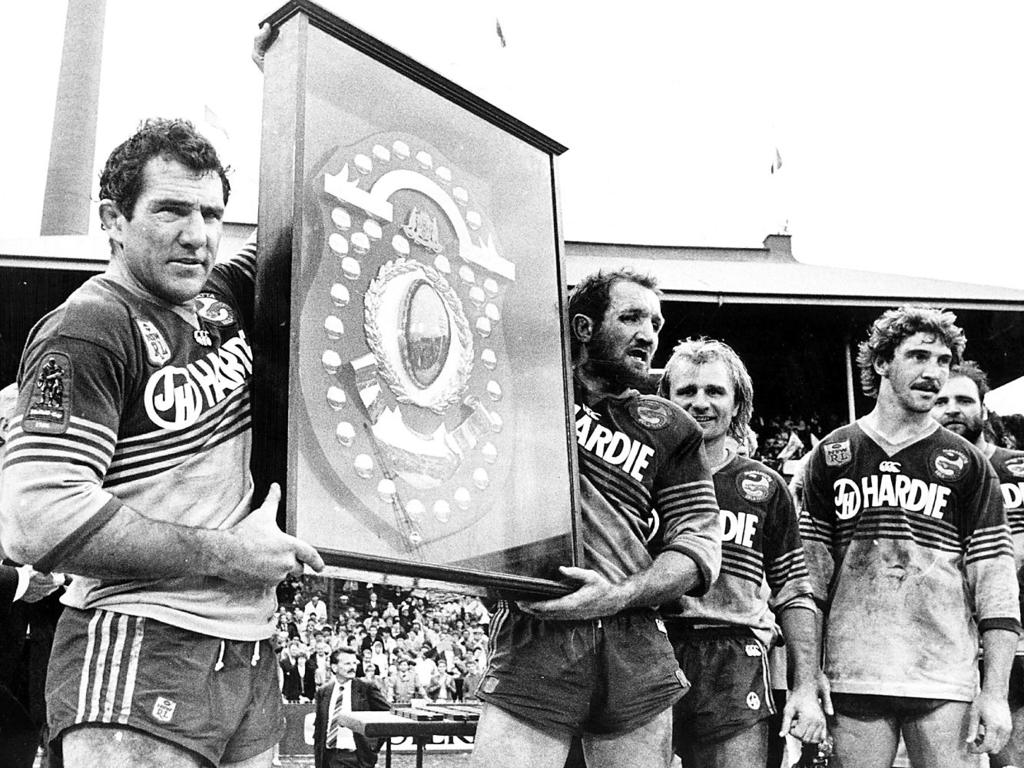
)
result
[(404, 364)]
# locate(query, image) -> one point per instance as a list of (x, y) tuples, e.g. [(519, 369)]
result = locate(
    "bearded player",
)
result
[(960, 408), (597, 663), (911, 560), (722, 638)]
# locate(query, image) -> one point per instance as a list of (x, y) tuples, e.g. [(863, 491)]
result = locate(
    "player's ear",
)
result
[(582, 327), (881, 367), (113, 221)]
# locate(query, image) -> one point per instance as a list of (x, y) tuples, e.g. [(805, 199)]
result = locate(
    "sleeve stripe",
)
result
[(75, 539)]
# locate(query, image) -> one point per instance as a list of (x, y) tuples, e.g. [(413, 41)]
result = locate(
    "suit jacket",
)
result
[(23, 659), (365, 696)]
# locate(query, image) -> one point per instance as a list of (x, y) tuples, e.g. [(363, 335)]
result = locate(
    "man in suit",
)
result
[(338, 747), (28, 614)]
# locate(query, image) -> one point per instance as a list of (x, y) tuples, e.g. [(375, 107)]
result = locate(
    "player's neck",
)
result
[(983, 445), (596, 383), (716, 451), (897, 424)]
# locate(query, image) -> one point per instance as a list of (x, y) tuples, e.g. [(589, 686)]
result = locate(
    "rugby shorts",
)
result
[(869, 706), (218, 698), (731, 692), (1016, 697), (603, 676)]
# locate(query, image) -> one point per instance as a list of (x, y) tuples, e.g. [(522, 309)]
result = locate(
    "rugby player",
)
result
[(128, 465), (722, 638), (911, 560), (597, 662), (960, 408)]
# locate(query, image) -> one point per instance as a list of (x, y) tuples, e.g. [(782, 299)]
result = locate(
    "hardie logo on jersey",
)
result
[(213, 310), (156, 347), (650, 413), (738, 527), (837, 454), (754, 485), (889, 466), (1015, 467), (176, 397), (1013, 495), (616, 448), (948, 464), (49, 411), (889, 492)]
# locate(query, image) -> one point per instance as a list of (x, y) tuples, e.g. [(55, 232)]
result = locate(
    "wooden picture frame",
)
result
[(413, 388)]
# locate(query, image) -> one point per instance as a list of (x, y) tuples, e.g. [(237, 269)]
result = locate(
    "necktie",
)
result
[(338, 736)]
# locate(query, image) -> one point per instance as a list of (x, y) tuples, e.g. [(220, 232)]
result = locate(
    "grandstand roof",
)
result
[(771, 275)]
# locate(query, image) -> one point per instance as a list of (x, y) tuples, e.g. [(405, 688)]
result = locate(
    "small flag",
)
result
[(778, 161), (501, 35)]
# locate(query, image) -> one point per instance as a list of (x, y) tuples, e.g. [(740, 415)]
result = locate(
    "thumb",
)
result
[(787, 721), (267, 511)]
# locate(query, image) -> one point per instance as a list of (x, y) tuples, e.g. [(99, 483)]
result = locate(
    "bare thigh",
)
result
[(936, 739), (505, 741), (91, 747), (747, 748), (864, 743), (648, 746), (256, 761)]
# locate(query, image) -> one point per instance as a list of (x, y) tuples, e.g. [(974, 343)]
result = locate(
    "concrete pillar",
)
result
[(73, 142)]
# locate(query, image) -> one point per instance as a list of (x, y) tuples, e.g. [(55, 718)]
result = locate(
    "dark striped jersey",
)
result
[(763, 567), (908, 547), (1009, 468), (645, 485), (127, 400)]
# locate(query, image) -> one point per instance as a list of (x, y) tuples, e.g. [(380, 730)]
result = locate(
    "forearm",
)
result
[(130, 545), (671, 575), (999, 646), (800, 627)]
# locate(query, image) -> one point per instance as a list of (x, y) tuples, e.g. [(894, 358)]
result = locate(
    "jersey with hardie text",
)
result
[(909, 550), (763, 567), (1009, 468), (645, 485), (126, 400)]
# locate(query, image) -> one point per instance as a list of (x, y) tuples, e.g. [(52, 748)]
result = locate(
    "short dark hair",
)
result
[(969, 369), (172, 139), (592, 295), (341, 650), (895, 325)]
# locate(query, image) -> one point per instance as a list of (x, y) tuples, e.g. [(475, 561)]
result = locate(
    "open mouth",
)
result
[(637, 354)]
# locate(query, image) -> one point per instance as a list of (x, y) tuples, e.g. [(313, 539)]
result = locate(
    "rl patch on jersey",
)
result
[(837, 454), (754, 485), (650, 413), (1015, 467), (49, 409), (948, 464), (156, 347), (213, 310), (163, 709)]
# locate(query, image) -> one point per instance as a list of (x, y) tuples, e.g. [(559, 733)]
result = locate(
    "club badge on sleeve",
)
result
[(49, 411)]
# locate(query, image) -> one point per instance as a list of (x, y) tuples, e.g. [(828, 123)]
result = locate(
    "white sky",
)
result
[(900, 125)]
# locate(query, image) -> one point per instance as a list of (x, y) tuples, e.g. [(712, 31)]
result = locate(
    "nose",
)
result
[(699, 401), (194, 231)]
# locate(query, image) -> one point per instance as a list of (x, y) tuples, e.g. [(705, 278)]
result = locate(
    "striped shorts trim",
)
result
[(111, 664)]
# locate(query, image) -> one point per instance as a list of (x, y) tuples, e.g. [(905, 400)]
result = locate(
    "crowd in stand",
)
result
[(409, 646)]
